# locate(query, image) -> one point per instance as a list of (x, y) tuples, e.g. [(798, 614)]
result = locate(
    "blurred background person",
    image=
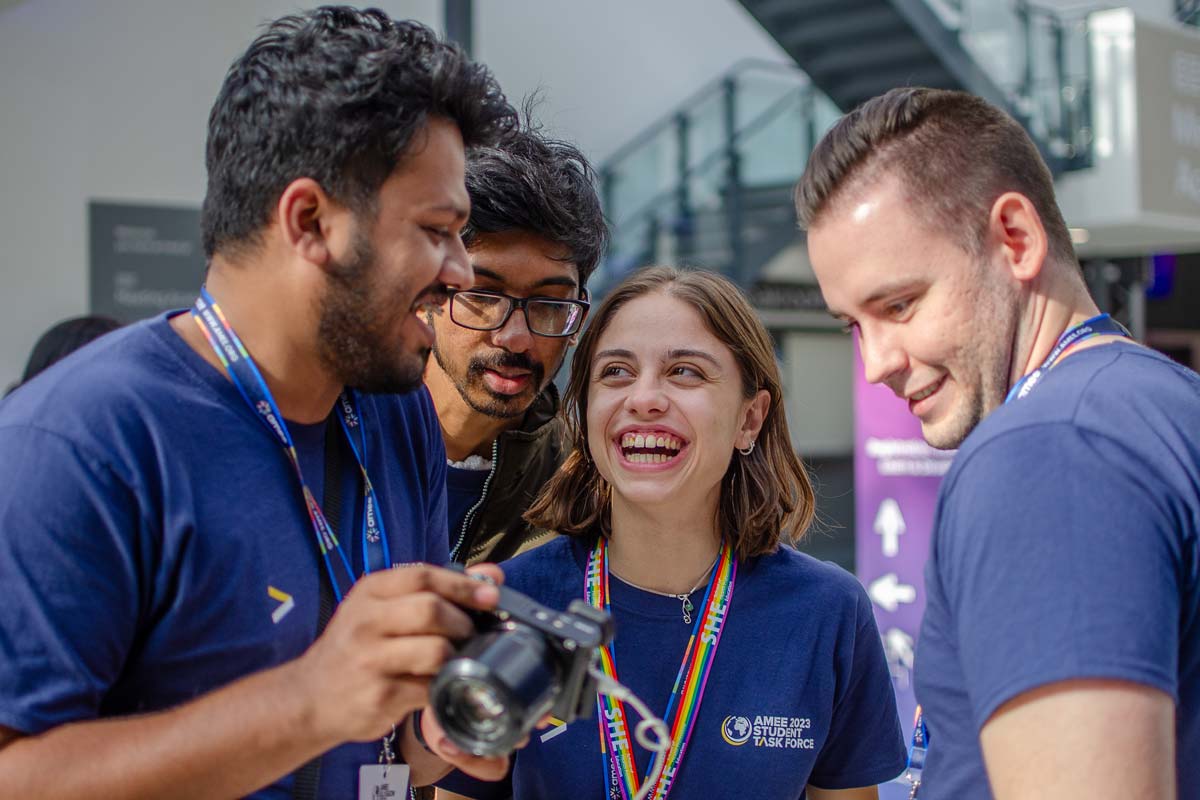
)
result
[(63, 339)]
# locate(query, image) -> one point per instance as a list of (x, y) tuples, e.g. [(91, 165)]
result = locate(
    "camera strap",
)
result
[(253, 388), (616, 743)]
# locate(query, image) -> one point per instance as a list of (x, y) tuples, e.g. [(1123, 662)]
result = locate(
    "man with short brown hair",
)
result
[(1059, 655)]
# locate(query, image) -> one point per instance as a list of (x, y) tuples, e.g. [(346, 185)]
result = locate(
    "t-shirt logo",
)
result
[(773, 732), (286, 603), (736, 730)]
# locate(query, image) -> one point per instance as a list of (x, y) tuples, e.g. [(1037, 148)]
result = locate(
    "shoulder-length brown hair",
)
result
[(766, 497)]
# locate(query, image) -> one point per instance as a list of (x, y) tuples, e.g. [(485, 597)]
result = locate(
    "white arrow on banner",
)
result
[(888, 592), (898, 647), (889, 523)]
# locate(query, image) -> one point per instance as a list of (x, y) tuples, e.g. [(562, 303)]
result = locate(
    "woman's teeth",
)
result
[(640, 448)]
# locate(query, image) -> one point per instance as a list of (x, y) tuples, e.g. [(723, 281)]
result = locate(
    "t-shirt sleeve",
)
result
[(1056, 553), (69, 556), (865, 745)]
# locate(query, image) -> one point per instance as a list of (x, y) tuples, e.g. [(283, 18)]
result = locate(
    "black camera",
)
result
[(525, 662)]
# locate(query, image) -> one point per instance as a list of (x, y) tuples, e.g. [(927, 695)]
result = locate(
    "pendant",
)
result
[(687, 609)]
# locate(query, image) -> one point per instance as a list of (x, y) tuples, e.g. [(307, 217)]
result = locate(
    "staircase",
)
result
[(710, 183), (1030, 60), (856, 49)]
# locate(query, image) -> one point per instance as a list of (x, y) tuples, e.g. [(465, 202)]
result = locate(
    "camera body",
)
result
[(525, 661)]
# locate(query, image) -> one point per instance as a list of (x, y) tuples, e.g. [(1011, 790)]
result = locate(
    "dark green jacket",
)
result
[(523, 459)]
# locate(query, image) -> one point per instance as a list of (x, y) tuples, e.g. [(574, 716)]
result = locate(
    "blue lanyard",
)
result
[(250, 384), (1100, 325), (916, 754)]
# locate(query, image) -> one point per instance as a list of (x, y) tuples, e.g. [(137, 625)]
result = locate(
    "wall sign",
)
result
[(143, 259)]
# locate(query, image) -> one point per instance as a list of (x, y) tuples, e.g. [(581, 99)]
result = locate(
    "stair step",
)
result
[(875, 54), (856, 89), (787, 11), (817, 33)]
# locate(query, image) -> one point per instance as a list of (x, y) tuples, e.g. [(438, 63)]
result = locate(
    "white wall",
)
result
[(103, 100), (1155, 10), (818, 376), (110, 101), (611, 68)]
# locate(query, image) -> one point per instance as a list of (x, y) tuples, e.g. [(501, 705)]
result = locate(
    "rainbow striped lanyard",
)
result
[(616, 745), (249, 382)]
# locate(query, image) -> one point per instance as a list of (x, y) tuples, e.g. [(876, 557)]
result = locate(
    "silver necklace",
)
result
[(685, 599)]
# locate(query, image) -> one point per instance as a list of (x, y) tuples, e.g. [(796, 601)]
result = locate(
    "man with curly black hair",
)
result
[(187, 502), (535, 235)]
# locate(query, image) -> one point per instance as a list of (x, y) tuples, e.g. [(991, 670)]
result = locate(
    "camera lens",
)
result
[(477, 705), (493, 693)]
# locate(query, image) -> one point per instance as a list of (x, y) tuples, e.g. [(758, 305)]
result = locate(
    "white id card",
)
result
[(380, 782)]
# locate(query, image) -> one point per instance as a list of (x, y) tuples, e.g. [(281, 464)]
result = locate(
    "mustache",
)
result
[(505, 359)]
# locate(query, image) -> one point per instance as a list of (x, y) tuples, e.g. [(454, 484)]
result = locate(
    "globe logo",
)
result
[(735, 730)]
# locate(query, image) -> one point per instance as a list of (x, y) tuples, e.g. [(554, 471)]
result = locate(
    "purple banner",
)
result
[(896, 478)]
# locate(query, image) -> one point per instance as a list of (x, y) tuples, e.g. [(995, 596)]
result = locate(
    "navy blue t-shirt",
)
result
[(464, 488), (1065, 547), (799, 691), (154, 544)]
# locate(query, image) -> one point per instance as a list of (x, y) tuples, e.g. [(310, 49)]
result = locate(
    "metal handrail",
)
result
[(761, 120), (1049, 37), (1188, 11), (712, 87), (1059, 21)]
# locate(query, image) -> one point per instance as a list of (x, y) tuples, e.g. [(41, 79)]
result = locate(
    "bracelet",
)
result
[(417, 734)]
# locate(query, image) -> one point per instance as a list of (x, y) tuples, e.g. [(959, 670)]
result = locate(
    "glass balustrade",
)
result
[(696, 187), (675, 194), (1039, 57)]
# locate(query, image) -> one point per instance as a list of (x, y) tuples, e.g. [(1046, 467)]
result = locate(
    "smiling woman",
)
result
[(680, 501)]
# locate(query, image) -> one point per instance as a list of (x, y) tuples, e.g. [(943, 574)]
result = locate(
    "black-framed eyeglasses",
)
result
[(484, 310)]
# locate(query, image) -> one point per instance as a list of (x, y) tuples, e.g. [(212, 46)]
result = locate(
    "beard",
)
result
[(356, 322), (471, 386), (989, 355)]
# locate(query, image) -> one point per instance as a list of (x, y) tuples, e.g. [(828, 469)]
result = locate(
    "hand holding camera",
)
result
[(373, 665), (525, 661)]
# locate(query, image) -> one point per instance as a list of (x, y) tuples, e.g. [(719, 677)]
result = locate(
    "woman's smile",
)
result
[(652, 447)]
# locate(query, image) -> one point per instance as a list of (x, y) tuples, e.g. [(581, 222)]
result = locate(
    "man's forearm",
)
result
[(1085, 739), (225, 744), (369, 668)]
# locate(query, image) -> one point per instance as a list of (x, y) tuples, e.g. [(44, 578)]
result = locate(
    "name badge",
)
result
[(383, 782)]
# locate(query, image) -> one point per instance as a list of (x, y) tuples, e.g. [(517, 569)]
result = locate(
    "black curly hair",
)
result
[(335, 94), (532, 183)]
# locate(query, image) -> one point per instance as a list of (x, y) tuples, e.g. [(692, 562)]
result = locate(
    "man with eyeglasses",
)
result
[(534, 236)]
